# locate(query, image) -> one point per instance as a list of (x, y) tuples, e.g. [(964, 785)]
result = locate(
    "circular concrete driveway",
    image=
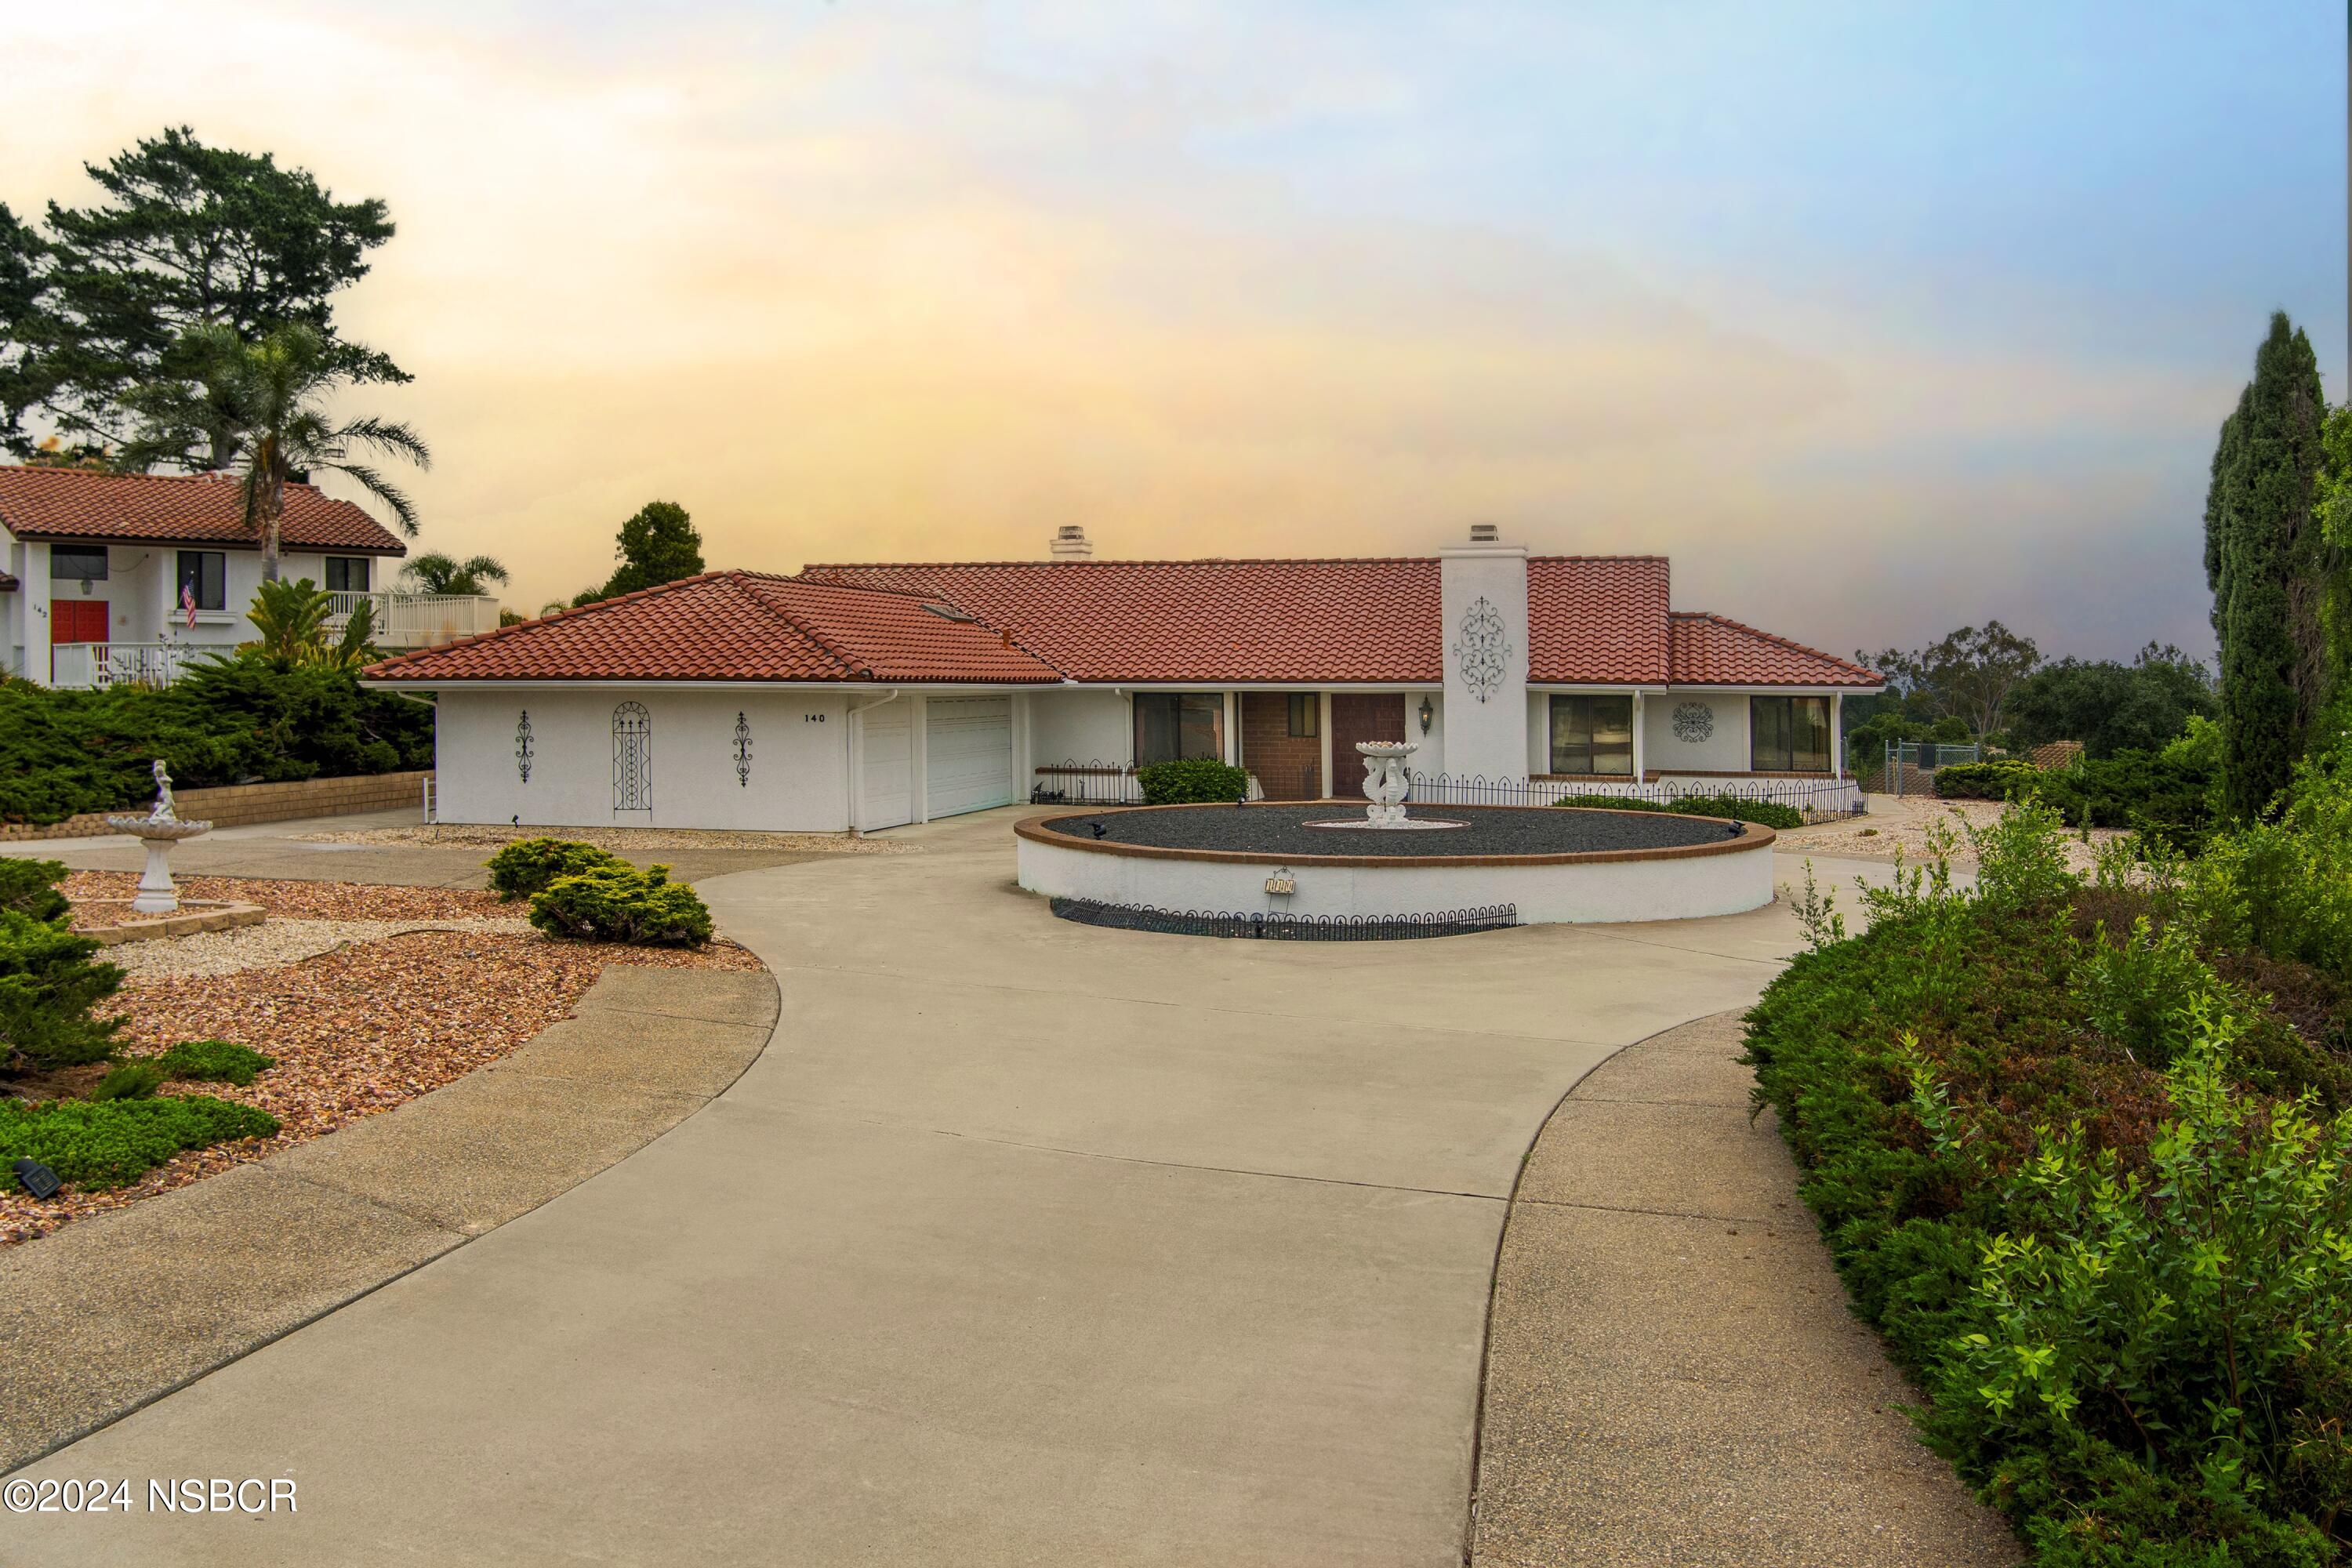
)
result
[(1024, 1242)]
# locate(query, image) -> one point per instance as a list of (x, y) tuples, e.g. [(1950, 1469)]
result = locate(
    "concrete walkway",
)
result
[(1024, 1242), (1671, 1373)]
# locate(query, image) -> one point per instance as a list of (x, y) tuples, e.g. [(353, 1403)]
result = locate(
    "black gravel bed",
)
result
[(1281, 830)]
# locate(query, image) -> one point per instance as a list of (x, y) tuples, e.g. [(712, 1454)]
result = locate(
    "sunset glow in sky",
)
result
[(1878, 318)]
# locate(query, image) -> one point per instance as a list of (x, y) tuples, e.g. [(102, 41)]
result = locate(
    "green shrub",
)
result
[(104, 1143), (30, 887), (2284, 889), (2013, 1190), (527, 867), (1770, 813), (48, 982), (132, 1080), (2152, 1359), (225, 720), (619, 903), (214, 1061), (1195, 780), (1986, 780)]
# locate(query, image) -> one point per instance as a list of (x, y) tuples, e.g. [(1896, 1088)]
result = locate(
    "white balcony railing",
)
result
[(94, 666), (415, 620)]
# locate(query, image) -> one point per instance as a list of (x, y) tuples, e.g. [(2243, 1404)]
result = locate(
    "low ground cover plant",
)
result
[(2082, 1153), (1197, 780), (529, 865), (106, 1143), (1770, 813), (2174, 793), (214, 1061), (619, 903), (129, 1080)]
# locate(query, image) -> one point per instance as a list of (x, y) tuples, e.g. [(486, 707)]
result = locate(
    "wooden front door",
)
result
[(76, 620), (1360, 715)]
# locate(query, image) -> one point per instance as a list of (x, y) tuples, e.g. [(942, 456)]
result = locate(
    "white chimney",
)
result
[(1070, 542), (1486, 533), (1483, 587)]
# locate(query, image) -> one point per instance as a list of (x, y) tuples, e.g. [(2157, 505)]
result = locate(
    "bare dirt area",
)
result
[(631, 842), (414, 988), (1906, 828)]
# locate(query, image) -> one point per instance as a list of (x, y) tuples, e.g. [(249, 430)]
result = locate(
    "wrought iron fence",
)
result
[(1287, 928), (1086, 783), (1820, 800)]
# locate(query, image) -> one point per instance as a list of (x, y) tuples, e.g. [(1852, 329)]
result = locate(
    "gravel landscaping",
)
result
[(1283, 831), (634, 842), (367, 997), (1881, 836)]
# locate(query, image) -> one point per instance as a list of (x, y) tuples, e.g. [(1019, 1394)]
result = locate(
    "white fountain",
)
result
[(159, 829), (1386, 783)]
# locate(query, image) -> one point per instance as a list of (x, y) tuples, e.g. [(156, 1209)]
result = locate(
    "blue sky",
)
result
[(1878, 317)]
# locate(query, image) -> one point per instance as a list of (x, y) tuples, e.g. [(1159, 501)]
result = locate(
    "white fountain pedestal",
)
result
[(157, 893), (1386, 785)]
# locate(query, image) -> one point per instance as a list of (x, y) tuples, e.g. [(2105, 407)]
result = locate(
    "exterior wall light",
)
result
[(1428, 715)]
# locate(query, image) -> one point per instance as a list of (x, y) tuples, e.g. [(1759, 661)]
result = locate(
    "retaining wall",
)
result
[(241, 805)]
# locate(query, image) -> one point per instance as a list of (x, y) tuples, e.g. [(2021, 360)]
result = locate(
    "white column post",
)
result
[(1323, 727), (1641, 771), (1233, 728), (35, 589), (1837, 735), (918, 760)]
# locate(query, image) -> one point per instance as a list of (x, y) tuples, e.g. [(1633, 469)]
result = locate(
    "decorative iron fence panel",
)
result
[(633, 758), (1819, 799), (1287, 928), (1086, 783)]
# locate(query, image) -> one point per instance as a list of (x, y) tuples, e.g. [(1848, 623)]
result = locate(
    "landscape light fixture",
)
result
[(37, 1179), (1428, 715)]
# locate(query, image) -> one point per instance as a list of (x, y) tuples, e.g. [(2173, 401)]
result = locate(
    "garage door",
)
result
[(889, 759), (967, 753)]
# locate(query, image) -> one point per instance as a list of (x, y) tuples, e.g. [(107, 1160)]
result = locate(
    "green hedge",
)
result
[(2059, 1164), (1986, 780), (1197, 780), (50, 979), (2171, 792), (224, 722), (105, 1143), (1770, 813)]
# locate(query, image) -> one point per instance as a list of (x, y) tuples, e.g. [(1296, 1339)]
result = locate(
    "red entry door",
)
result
[(77, 620)]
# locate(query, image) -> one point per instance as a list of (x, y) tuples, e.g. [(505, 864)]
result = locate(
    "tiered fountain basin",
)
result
[(1551, 865)]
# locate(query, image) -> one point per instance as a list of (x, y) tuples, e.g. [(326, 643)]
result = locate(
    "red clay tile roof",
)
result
[(1598, 618), (176, 509), (1712, 650), (734, 626), (1337, 621)]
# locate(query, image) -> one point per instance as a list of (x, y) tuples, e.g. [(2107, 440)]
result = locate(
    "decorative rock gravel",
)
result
[(1282, 830), (273, 941)]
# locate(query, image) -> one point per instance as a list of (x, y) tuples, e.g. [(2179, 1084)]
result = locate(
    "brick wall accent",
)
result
[(1288, 766), (241, 805)]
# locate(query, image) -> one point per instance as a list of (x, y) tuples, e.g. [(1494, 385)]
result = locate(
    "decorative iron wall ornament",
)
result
[(1694, 721), (633, 758), (1483, 650), (742, 750), (523, 746)]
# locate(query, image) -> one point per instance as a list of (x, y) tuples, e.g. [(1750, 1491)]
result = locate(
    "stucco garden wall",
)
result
[(798, 780)]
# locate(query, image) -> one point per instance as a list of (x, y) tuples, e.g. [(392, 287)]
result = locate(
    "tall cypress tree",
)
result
[(2264, 562)]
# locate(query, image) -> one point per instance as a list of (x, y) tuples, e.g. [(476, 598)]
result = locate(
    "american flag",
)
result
[(188, 604)]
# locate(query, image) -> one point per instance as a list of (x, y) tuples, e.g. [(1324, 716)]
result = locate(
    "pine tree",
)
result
[(2263, 558)]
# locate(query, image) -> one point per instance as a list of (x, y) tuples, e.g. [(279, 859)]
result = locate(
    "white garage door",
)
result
[(967, 753), (889, 761)]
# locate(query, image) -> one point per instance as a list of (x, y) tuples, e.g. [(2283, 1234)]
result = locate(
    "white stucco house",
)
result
[(115, 577), (863, 696)]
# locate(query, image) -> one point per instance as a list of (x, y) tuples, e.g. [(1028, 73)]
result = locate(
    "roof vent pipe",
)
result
[(1486, 533), (1070, 542)]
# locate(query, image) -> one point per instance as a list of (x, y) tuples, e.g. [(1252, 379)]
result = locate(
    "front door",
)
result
[(76, 620), (1360, 715)]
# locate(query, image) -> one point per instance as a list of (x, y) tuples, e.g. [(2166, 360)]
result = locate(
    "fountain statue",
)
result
[(1386, 785), (158, 829)]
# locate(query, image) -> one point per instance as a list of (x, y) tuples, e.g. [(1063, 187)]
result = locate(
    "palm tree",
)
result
[(272, 395), (435, 573)]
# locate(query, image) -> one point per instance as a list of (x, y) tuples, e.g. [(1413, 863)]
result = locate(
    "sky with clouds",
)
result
[(1878, 318)]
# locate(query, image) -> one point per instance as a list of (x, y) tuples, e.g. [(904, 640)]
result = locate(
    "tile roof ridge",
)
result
[(1790, 643), (1128, 560), (206, 477)]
